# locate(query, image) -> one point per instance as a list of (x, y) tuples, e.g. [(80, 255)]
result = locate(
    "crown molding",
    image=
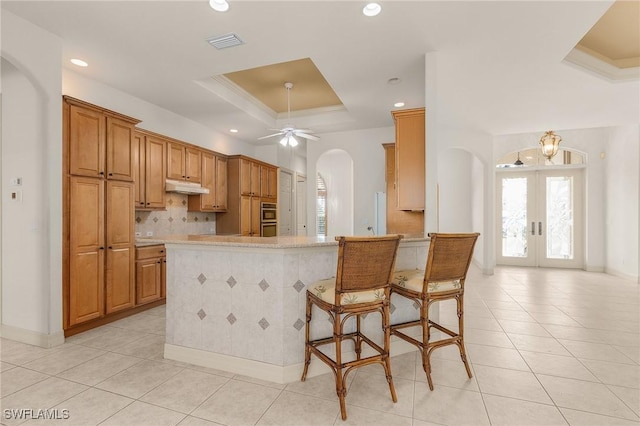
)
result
[(586, 62)]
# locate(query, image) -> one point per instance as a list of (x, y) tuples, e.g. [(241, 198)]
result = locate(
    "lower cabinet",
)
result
[(151, 266)]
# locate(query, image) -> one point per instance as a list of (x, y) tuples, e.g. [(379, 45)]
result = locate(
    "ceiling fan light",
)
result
[(283, 141), (293, 142), (219, 5), (372, 9)]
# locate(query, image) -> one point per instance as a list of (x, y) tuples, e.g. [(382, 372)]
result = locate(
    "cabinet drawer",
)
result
[(149, 252)]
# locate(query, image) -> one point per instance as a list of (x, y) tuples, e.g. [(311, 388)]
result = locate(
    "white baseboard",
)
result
[(262, 370), (31, 337), (634, 278)]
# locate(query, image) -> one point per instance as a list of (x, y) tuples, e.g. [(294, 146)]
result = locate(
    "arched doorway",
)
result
[(336, 168)]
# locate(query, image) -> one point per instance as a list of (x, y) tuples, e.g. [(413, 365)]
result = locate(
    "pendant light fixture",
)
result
[(549, 143), (518, 162)]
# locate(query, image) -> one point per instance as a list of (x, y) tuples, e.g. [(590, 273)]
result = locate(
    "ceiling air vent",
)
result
[(224, 41)]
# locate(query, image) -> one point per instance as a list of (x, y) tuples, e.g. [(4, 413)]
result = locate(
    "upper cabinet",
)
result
[(410, 158), (249, 177), (101, 142), (269, 182), (214, 178), (183, 162), (151, 171)]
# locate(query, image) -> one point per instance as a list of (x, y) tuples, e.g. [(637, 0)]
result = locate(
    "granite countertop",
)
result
[(264, 242)]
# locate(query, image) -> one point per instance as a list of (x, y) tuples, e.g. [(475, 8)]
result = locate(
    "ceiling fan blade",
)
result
[(270, 136), (306, 136)]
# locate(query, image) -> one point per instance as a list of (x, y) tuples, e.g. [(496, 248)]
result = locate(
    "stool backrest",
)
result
[(365, 263), (449, 257)]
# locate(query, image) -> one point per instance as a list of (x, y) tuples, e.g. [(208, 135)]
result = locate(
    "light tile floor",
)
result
[(547, 347)]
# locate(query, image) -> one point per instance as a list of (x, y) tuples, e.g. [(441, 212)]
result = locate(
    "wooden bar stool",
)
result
[(443, 279), (361, 286)]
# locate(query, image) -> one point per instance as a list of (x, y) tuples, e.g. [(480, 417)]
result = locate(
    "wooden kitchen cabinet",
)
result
[(150, 171), (99, 168), (398, 221), (214, 177), (243, 197), (410, 158), (150, 273), (120, 230), (86, 250), (249, 177), (269, 182), (100, 248), (100, 142), (183, 162)]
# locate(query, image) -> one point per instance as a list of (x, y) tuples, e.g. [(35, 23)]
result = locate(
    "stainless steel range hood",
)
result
[(185, 187)]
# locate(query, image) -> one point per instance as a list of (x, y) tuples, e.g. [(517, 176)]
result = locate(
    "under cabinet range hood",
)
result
[(185, 187)]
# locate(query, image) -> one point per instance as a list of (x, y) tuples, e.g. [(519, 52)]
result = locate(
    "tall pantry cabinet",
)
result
[(98, 219)]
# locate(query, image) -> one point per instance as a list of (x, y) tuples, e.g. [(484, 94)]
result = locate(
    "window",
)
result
[(321, 207)]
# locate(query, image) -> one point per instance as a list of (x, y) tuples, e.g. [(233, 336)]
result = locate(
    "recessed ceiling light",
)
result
[(372, 9), (233, 130), (79, 62), (219, 5), (398, 104)]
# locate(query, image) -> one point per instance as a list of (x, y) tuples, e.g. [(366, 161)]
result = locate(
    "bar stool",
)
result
[(443, 279), (361, 286)]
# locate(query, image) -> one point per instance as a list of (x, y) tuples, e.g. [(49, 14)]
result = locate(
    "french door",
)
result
[(540, 218)]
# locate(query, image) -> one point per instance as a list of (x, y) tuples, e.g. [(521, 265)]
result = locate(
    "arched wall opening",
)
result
[(336, 168)]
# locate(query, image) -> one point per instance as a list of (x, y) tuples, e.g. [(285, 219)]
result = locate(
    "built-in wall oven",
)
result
[(268, 219)]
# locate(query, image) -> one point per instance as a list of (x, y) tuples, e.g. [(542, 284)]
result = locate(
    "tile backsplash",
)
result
[(175, 219)]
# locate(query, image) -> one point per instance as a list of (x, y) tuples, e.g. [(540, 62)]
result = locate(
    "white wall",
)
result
[(365, 148), (455, 190), (32, 149), (622, 188)]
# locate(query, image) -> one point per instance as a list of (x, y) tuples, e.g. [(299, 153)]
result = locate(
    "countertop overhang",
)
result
[(264, 242)]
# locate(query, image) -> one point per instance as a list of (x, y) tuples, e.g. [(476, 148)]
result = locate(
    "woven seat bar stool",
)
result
[(442, 279), (361, 286)]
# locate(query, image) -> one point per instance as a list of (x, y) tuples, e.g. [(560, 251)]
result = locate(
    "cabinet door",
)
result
[(208, 201), (255, 216), (175, 161), (119, 150), (120, 283), (245, 215), (245, 176), (410, 160), (148, 280), (221, 183), (139, 155), (86, 142), (192, 164), (155, 173), (86, 249), (264, 181), (273, 183), (255, 179)]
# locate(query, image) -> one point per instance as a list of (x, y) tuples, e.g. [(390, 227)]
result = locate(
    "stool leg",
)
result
[(307, 349), (387, 346), (460, 342), (358, 341), (426, 336), (340, 385)]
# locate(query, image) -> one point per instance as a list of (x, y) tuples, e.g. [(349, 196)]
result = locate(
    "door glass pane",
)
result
[(559, 217), (514, 217)]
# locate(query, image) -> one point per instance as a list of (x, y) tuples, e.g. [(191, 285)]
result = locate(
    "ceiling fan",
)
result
[(288, 132)]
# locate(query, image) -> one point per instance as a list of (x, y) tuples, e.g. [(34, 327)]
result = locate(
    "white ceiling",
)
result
[(500, 64)]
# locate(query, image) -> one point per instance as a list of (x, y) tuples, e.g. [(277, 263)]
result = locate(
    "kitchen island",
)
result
[(238, 303)]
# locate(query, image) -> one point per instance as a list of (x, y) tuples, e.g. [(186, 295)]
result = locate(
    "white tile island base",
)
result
[(238, 303)]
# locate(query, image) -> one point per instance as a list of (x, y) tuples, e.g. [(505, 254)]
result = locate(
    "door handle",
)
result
[(533, 228), (539, 228)]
